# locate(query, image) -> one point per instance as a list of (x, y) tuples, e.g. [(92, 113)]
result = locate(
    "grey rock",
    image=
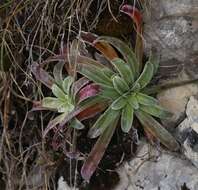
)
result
[(153, 171), (187, 131), (176, 99), (62, 185), (171, 27)]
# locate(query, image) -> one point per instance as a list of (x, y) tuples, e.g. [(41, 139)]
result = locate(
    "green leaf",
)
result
[(146, 75), (58, 92), (119, 103), (50, 102), (107, 72), (58, 104), (127, 118), (95, 74), (156, 129), (124, 70), (103, 122), (120, 85), (57, 72), (109, 93), (82, 107), (126, 52), (156, 110), (145, 100), (76, 124), (155, 61), (132, 99), (66, 106), (68, 81)]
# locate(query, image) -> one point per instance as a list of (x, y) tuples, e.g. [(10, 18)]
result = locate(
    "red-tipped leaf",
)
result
[(97, 152)]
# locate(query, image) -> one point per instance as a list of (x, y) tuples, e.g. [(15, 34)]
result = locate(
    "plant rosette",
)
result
[(124, 85)]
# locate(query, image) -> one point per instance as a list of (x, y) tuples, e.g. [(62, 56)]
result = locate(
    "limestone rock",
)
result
[(152, 171), (175, 99), (171, 27), (187, 132)]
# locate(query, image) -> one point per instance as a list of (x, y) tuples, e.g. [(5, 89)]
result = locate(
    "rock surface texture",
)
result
[(171, 27), (176, 99), (151, 170), (187, 132)]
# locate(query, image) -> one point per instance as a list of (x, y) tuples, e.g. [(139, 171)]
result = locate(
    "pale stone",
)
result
[(150, 170), (171, 27), (62, 185), (187, 131), (195, 127), (175, 99)]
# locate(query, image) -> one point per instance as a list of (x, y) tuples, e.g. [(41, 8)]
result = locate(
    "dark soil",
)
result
[(122, 147)]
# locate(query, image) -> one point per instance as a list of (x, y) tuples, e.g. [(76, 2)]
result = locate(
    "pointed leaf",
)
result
[(155, 61), (120, 85), (155, 128), (79, 61), (80, 83), (37, 106), (57, 72), (88, 91), (76, 124), (146, 75), (127, 118), (124, 70), (98, 151), (146, 100), (58, 92), (136, 16), (50, 102), (103, 122), (95, 74), (126, 52), (156, 111), (83, 60), (67, 83), (134, 13), (119, 103), (58, 104), (106, 49)]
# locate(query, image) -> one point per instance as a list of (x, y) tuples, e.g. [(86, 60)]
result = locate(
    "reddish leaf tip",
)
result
[(134, 13)]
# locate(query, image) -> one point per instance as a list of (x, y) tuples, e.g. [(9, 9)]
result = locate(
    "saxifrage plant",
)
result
[(124, 85), (68, 97)]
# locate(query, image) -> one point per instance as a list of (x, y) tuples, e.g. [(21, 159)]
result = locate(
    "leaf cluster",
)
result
[(118, 88), (124, 85)]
